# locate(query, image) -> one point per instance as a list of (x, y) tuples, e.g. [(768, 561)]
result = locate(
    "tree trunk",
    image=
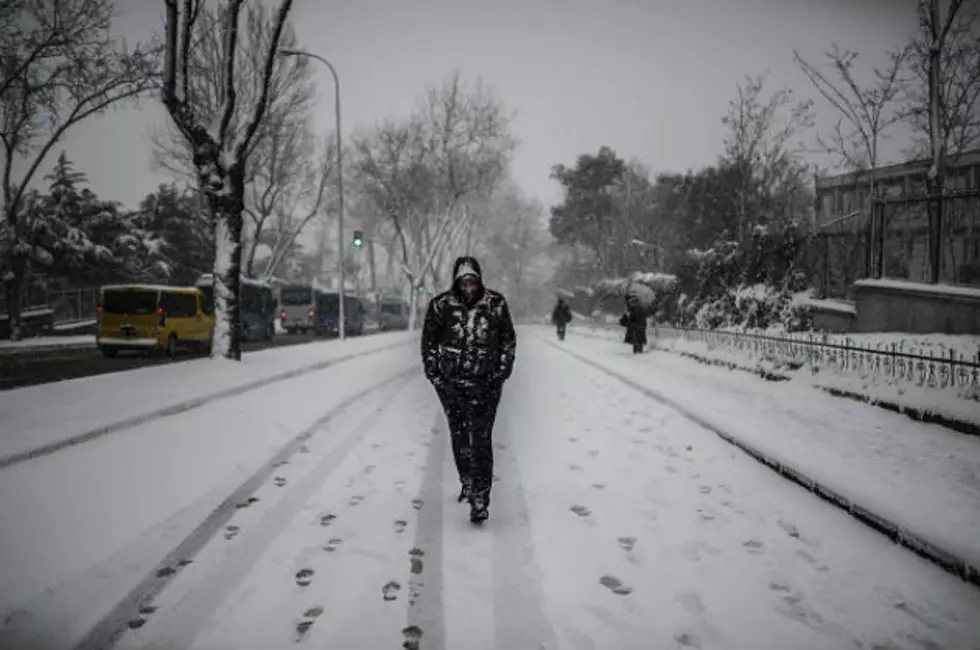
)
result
[(227, 207)]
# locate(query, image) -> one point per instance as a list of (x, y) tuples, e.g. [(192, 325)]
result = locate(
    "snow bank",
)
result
[(921, 477), (37, 418), (956, 404), (44, 342)]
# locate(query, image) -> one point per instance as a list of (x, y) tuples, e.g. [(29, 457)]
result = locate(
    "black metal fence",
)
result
[(816, 351)]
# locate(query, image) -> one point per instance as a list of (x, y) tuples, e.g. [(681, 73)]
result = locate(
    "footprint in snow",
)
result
[(416, 555), (368, 469), (688, 640), (166, 571), (146, 610), (304, 449), (304, 577), (599, 486), (670, 469), (754, 546), (500, 445), (615, 585), (327, 519), (790, 529), (627, 543), (231, 532), (705, 489), (581, 511), (593, 452), (279, 481), (400, 525), (184, 562), (572, 439), (332, 544), (417, 504), (412, 635), (305, 623), (575, 468), (390, 590), (637, 441), (356, 499), (245, 504), (136, 623)]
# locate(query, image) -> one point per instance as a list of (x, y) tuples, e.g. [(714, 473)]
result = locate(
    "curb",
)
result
[(180, 407), (935, 553)]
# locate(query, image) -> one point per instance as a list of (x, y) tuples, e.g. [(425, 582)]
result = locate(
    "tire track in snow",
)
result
[(105, 634), (426, 614), (520, 620)]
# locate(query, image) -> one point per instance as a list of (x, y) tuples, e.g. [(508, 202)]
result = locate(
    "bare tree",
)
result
[(220, 146), (297, 208), (279, 162), (59, 65), (292, 92), (286, 192), (513, 238), (958, 83), (865, 112), (946, 56), (760, 147)]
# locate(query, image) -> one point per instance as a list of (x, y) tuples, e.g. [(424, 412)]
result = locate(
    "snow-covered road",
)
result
[(615, 523)]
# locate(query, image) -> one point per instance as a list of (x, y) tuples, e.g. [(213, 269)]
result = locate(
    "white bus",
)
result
[(297, 307)]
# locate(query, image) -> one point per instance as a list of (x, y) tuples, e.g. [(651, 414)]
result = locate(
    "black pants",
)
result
[(471, 417), (561, 331)]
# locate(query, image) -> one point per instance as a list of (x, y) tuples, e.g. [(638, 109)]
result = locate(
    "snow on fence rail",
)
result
[(889, 361)]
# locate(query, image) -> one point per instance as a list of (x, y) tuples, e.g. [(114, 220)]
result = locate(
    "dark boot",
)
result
[(479, 509)]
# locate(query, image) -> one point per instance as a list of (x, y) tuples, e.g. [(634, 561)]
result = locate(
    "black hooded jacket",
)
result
[(467, 346)]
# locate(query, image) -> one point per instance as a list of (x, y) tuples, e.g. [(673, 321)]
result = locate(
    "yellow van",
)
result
[(153, 319)]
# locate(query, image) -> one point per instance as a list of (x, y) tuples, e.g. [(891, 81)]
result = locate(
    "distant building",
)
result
[(844, 194)]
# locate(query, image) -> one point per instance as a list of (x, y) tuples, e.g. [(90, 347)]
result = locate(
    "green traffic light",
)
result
[(357, 242)]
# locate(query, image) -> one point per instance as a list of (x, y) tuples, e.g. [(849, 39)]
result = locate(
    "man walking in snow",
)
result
[(561, 316), (468, 349)]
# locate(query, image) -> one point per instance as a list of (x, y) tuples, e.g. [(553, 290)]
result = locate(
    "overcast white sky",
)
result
[(650, 78)]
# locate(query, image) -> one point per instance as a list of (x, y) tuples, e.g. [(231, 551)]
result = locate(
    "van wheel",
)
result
[(107, 352), (172, 346)]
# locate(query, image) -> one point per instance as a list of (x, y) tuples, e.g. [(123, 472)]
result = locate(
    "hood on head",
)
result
[(466, 266)]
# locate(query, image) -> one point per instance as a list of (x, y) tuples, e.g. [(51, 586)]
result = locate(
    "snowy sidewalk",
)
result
[(923, 477), (38, 416), (615, 523)]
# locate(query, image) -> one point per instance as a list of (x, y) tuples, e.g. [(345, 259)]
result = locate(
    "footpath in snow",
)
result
[(615, 523), (923, 477), (36, 417)]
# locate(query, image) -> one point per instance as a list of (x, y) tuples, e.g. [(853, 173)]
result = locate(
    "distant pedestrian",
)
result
[(468, 351), (561, 316), (635, 322)]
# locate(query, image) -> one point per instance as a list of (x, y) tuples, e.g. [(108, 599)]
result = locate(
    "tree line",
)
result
[(253, 173), (737, 235)]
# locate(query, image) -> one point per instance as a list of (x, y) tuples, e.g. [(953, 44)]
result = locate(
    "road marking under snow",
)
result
[(181, 407), (110, 629)]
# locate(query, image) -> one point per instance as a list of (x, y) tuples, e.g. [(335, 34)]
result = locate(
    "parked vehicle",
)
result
[(152, 319), (258, 307), (394, 314), (297, 307), (327, 314)]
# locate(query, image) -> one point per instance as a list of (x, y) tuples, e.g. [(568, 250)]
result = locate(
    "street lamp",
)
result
[(341, 327)]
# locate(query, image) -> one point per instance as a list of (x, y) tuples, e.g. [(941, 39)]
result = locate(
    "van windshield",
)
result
[(129, 302)]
